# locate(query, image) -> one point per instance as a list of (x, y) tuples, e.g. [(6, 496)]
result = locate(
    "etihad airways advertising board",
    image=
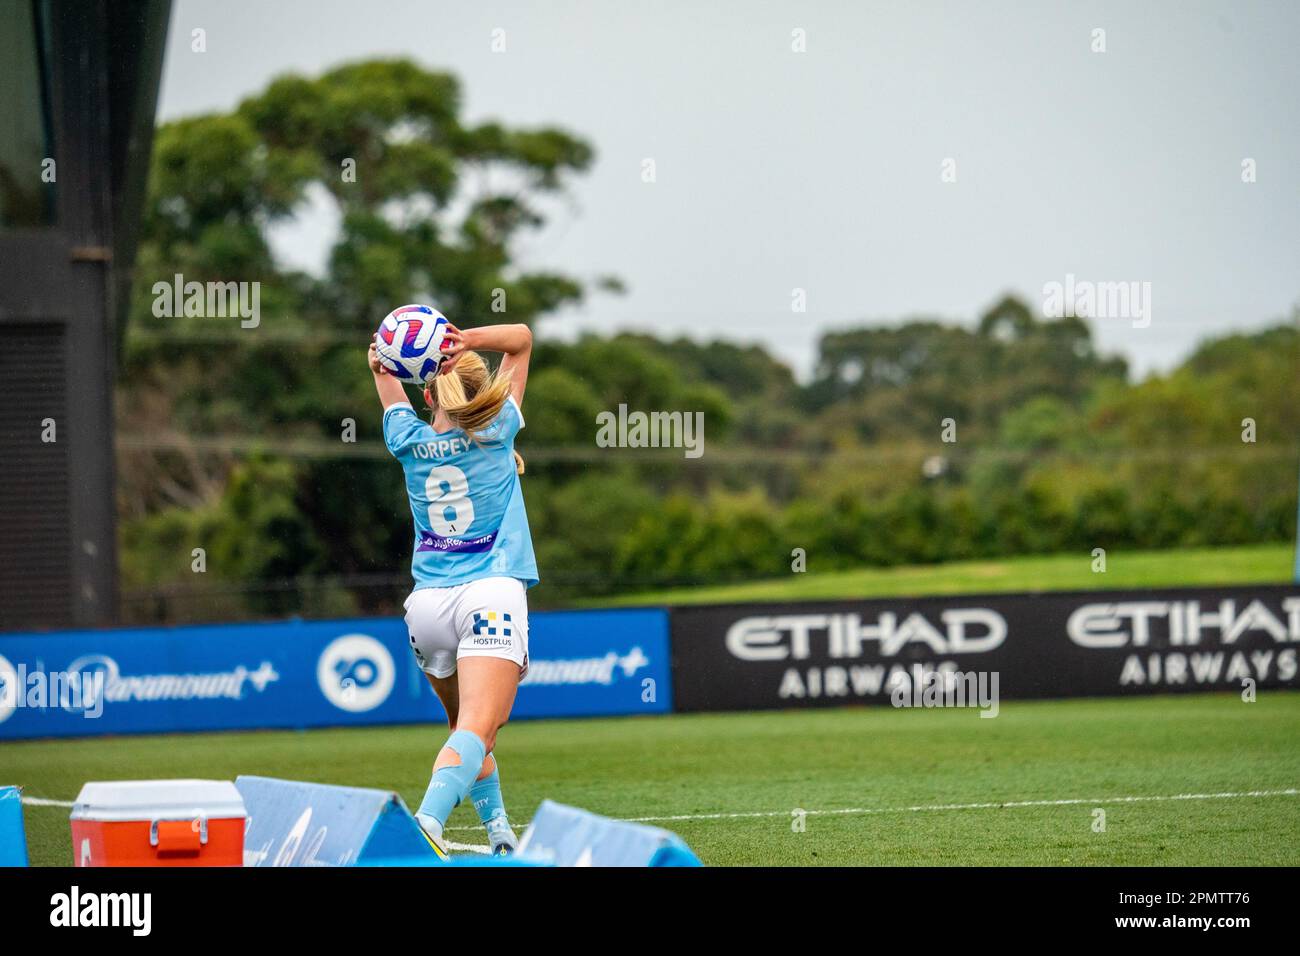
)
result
[(1094, 643)]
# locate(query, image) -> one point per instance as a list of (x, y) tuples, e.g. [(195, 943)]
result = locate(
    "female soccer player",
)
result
[(472, 560)]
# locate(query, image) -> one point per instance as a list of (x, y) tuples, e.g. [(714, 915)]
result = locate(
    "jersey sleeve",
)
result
[(506, 425), (403, 428)]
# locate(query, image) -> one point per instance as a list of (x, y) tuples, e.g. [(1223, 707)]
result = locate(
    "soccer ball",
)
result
[(409, 343)]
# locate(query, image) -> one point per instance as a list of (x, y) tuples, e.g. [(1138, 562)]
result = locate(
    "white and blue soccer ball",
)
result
[(409, 343)]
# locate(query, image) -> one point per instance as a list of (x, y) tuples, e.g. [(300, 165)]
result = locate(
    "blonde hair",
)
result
[(472, 395)]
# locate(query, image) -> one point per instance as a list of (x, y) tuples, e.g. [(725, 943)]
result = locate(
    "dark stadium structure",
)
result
[(78, 89)]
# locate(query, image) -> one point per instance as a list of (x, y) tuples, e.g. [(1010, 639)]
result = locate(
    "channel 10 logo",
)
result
[(356, 673)]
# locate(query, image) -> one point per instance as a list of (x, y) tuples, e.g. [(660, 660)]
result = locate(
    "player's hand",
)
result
[(453, 346), (372, 359)]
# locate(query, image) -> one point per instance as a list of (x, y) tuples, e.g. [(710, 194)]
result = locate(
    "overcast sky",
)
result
[(778, 170)]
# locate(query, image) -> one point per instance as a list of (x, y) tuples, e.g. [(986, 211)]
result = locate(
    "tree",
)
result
[(430, 207)]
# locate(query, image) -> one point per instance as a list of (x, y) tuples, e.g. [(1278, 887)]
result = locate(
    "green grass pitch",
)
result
[(1184, 567), (881, 786)]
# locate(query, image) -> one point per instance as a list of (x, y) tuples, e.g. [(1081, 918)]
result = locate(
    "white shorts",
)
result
[(484, 618)]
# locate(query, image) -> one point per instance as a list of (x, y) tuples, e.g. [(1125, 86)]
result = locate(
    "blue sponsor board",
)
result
[(309, 674), (13, 842), (315, 824), (569, 836)]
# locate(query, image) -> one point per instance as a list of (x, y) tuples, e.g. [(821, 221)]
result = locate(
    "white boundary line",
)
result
[(865, 811), (470, 847), (1004, 805)]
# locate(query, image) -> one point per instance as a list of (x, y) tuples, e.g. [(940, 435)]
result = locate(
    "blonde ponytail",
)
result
[(473, 396)]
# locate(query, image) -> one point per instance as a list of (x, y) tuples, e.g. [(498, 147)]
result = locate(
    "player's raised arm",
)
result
[(514, 341), (390, 389)]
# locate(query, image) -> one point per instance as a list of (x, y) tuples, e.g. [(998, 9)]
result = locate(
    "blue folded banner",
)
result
[(13, 839), (458, 859), (291, 823), (309, 674), (568, 836)]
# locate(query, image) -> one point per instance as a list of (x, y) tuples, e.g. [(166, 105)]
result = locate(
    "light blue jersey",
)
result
[(466, 499)]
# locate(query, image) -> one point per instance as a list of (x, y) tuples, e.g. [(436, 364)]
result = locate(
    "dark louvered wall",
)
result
[(35, 508), (79, 78)]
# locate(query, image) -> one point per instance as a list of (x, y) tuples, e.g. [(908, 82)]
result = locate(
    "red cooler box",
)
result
[(158, 823)]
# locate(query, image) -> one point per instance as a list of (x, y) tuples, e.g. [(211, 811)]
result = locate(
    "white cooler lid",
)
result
[(117, 800)]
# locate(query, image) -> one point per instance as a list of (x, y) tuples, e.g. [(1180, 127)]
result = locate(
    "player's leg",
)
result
[(434, 639), (448, 691), (487, 694), (486, 687), (490, 806), (485, 794), (494, 619), (497, 679)]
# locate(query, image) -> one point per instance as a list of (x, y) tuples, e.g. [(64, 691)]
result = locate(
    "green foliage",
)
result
[(727, 537), (255, 532), (1056, 450)]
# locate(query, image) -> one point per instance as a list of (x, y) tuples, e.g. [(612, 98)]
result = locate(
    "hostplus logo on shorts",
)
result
[(492, 630)]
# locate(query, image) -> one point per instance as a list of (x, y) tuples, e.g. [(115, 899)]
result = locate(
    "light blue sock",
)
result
[(448, 785), (486, 794)]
